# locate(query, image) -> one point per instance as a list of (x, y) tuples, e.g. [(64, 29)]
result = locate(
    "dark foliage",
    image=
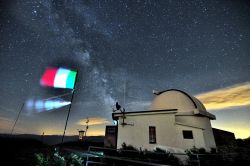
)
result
[(229, 155), (159, 156), (57, 158), (16, 151)]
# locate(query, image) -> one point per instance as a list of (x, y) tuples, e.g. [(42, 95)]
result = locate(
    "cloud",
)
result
[(233, 96), (93, 121)]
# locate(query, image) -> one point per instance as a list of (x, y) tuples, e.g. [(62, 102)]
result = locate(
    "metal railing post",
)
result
[(197, 155)]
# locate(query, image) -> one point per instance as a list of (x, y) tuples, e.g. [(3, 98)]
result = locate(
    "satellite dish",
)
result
[(156, 92)]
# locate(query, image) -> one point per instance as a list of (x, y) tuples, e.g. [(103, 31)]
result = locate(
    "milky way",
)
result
[(122, 50)]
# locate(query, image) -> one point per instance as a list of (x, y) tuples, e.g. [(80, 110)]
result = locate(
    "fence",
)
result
[(106, 156)]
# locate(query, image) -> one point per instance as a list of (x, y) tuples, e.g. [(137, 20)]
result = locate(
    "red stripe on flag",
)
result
[(48, 77)]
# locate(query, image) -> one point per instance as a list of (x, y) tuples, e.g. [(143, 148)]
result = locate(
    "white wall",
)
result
[(202, 122), (169, 129), (138, 134), (197, 141)]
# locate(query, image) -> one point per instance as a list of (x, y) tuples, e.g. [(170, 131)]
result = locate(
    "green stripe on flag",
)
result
[(71, 80)]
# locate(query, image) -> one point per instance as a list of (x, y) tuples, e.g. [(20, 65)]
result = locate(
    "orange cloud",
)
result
[(233, 96), (93, 121)]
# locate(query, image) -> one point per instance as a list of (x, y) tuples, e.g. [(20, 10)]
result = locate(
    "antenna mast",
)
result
[(124, 93), (87, 126)]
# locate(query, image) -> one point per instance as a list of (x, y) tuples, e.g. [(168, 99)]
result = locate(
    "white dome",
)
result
[(176, 99)]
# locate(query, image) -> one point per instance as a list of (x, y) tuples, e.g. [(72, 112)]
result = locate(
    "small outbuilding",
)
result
[(81, 134)]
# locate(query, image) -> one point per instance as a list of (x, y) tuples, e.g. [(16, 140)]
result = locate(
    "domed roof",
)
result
[(176, 99)]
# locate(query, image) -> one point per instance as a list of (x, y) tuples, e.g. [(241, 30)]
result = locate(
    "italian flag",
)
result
[(59, 78)]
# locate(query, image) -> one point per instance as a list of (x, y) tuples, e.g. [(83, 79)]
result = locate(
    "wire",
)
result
[(17, 119)]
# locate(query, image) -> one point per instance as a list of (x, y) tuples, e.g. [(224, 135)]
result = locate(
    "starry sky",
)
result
[(123, 50)]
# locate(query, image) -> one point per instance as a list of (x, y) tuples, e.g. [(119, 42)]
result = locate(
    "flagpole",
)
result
[(17, 118), (71, 100)]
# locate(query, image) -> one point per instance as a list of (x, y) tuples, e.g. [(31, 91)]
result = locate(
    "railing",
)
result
[(132, 157), (117, 156)]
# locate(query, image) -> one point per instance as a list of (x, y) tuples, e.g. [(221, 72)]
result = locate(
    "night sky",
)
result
[(123, 50)]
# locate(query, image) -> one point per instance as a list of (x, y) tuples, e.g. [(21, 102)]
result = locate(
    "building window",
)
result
[(187, 134), (152, 135)]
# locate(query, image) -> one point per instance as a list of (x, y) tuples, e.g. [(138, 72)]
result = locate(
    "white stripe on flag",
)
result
[(61, 78)]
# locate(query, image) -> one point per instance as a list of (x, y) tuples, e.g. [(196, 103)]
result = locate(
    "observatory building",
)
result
[(175, 120)]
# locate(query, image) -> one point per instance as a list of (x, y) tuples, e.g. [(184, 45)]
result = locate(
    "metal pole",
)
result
[(87, 126), (68, 115), (17, 118), (124, 94), (198, 159), (69, 109)]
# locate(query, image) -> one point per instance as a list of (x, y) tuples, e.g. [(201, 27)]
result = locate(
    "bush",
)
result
[(41, 160), (159, 150), (199, 156), (158, 155), (129, 151), (195, 150), (74, 160), (162, 156), (128, 147), (57, 159)]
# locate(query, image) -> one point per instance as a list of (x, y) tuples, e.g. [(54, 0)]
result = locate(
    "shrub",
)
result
[(199, 156), (74, 160), (128, 147), (159, 150), (162, 156), (41, 160), (157, 156), (57, 159), (129, 151)]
